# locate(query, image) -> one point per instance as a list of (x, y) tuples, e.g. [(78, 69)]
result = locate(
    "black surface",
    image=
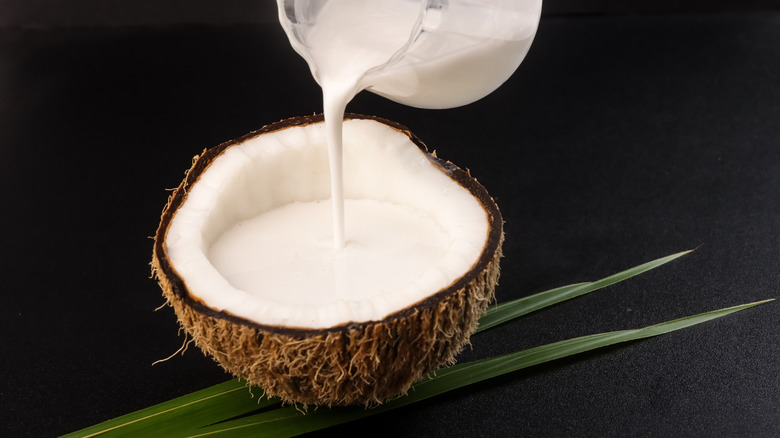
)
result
[(619, 140)]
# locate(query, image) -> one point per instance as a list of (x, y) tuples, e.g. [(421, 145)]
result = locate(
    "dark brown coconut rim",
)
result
[(202, 162)]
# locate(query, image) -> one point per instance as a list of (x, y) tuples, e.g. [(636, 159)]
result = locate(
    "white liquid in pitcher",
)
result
[(463, 53)]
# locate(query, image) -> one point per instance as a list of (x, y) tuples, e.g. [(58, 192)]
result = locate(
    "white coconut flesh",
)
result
[(253, 237)]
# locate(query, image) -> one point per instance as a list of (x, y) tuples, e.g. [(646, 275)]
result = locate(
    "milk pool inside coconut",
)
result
[(264, 249)]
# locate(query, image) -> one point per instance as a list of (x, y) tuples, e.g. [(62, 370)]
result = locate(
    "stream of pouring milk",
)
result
[(352, 37)]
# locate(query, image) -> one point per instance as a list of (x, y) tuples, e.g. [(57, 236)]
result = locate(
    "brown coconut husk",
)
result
[(356, 363)]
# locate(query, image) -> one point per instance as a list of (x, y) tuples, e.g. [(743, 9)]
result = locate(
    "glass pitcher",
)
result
[(421, 53)]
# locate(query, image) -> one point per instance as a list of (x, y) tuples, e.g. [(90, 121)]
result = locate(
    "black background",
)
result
[(621, 138), (103, 13)]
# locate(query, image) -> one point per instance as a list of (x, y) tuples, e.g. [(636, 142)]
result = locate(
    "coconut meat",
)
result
[(253, 237)]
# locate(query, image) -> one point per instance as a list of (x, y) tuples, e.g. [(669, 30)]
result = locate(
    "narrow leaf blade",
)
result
[(504, 312), (200, 408)]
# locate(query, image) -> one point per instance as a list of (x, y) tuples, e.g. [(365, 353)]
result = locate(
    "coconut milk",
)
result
[(464, 51), (270, 257), (390, 248)]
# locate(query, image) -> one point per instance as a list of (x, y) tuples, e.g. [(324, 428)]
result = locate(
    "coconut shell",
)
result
[(357, 363)]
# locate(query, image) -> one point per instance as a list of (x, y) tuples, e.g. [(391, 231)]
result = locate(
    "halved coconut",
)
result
[(244, 256)]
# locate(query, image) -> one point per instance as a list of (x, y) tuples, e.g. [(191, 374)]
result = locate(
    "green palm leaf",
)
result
[(504, 312), (189, 412), (228, 410)]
